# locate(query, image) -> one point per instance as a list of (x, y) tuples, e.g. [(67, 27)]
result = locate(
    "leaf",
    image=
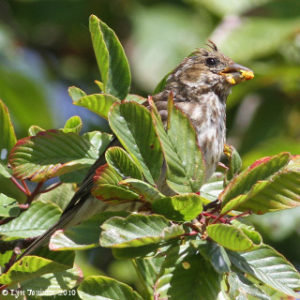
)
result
[(185, 165), (212, 189), (111, 59), (137, 230), (136, 98), (235, 161), (101, 287), (262, 169), (74, 124), (161, 85), (97, 103), (34, 130), (54, 283), (268, 266), (30, 267), (106, 186), (184, 207), (146, 191), (53, 153), (76, 93), (33, 222), (8, 207), (59, 196), (148, 270), (215, 254), (233, 238), (122, 163), (7, 132), (187, 275), (5, 171), (83, 236), (135, 252), (280, 192), (240, 286), (133, 126)]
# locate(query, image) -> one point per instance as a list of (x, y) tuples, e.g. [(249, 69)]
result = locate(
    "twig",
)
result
[(54, 186), (19, 186)]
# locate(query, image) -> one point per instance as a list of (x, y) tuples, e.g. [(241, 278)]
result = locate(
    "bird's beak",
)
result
[(236, 73)]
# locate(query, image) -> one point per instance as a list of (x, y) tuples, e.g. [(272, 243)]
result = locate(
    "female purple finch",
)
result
[(200, 86)]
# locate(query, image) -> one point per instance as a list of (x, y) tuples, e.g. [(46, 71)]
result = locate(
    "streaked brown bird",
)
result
[(200, 87)]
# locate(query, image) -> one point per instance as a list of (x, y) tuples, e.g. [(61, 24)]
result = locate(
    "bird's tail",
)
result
[(64, 220)]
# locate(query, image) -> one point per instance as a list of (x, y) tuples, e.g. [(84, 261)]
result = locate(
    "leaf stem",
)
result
[(54, 186), (35, 192), (19, 186), (245, 213)]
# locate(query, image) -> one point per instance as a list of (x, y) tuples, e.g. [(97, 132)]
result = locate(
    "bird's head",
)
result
[(209, 70)]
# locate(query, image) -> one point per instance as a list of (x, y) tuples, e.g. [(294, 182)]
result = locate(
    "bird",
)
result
[(199, 85)]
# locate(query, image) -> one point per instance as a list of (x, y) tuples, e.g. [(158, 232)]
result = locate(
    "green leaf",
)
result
[(33, 222), (233, 238), (97, 103), (8, 207), (59, 196), (53, 153), (5, 171), (185, 165), (7, 187), (146, 191), (280, 192), (101, 287), (111, 59), (215, 254), (161, 85), (243, 288), (74, 124), (7, 132), (212, 189), (34, 130), (187, 275), (122, 163), (83, 236), (137, 230), (54, 283), (235, 161), (262, 169), (106, 185), (76, 93), (30, 267), (133, 126), (134, 252), (184, 207), (148, 270), (270, 267), (136, 98), (99, 84)]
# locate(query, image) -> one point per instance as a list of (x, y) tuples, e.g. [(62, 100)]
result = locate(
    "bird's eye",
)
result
[(211, 61)]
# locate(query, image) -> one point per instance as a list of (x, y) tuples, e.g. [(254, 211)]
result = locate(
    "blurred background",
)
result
[(45, 47)]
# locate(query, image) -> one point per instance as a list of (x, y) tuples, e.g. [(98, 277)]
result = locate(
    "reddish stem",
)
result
[(246, 213), (26, 187), (191, 233), (51, 188), (223, 220), (35, 192), (19, 186)]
